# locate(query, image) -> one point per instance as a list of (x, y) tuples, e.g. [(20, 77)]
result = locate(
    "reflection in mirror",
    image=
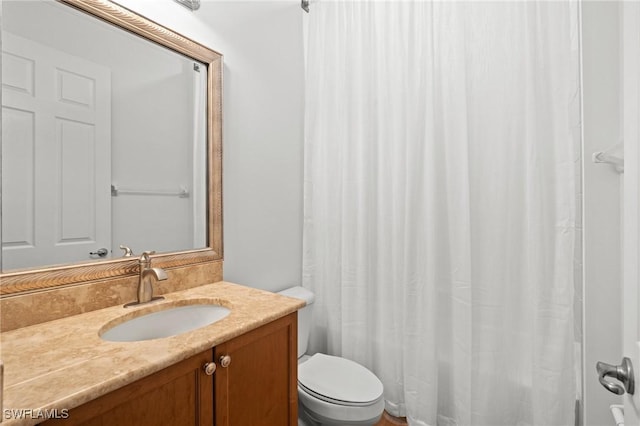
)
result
[(104, 140)]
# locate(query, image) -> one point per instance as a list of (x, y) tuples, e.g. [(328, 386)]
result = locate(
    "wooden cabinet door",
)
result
[(178, 395), (259, 387)]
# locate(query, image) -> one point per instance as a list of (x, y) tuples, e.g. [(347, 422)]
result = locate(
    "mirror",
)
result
[(111, 135)]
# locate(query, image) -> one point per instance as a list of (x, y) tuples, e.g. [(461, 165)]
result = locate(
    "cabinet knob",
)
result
[(225, 360), (209, 368)]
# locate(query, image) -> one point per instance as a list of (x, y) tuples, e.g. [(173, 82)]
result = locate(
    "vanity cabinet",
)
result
[(177, 395), (259, 387), (254, 383)]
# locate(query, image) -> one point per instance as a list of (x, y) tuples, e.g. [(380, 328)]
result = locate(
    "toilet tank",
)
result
[(304, 315)]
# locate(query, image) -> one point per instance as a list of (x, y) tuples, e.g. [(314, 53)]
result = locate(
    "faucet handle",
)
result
[(127, 251), (144, 257)]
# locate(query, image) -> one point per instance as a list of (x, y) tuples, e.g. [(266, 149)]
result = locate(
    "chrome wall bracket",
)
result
[(191, 4), (622, 372)]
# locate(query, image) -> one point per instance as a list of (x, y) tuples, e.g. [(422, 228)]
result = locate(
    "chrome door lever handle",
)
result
[(103, 252), (622, 372)]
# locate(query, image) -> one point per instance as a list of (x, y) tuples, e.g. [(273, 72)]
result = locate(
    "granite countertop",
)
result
[(64, 363)]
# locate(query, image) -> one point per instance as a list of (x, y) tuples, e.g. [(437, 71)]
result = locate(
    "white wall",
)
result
[(602, 287), (263, 129)]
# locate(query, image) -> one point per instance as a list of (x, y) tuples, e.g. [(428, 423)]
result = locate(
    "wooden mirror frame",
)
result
[(26, 281)]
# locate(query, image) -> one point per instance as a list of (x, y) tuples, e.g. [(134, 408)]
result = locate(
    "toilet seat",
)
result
[(331, 400), (327, 413), (339, 381), (336, 391)]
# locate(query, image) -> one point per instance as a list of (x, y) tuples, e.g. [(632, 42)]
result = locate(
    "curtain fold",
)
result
[(440, 203)]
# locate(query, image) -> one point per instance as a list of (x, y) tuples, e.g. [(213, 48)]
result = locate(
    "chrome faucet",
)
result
[(146, 279)]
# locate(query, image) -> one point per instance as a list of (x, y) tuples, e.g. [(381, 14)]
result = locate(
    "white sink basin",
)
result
[(166, 323)]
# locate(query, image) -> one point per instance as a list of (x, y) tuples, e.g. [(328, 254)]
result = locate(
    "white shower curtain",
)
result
[(440, 203)]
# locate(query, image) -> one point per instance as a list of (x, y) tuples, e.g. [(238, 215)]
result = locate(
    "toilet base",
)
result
[(305, 419), (330, 422)]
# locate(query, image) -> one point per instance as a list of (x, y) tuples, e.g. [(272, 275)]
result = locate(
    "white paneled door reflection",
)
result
[(56, 169)]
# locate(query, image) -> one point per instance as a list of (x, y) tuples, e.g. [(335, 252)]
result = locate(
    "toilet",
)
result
[(332, 390)]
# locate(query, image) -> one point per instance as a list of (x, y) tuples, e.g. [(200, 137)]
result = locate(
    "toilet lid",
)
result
[(339, 380)]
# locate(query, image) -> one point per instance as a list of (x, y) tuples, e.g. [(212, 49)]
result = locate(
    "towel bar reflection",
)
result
[(603, 157), (183, 192), (613, 155)]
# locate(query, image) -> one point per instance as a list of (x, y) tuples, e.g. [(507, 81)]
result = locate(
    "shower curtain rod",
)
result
[(305, 5)]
